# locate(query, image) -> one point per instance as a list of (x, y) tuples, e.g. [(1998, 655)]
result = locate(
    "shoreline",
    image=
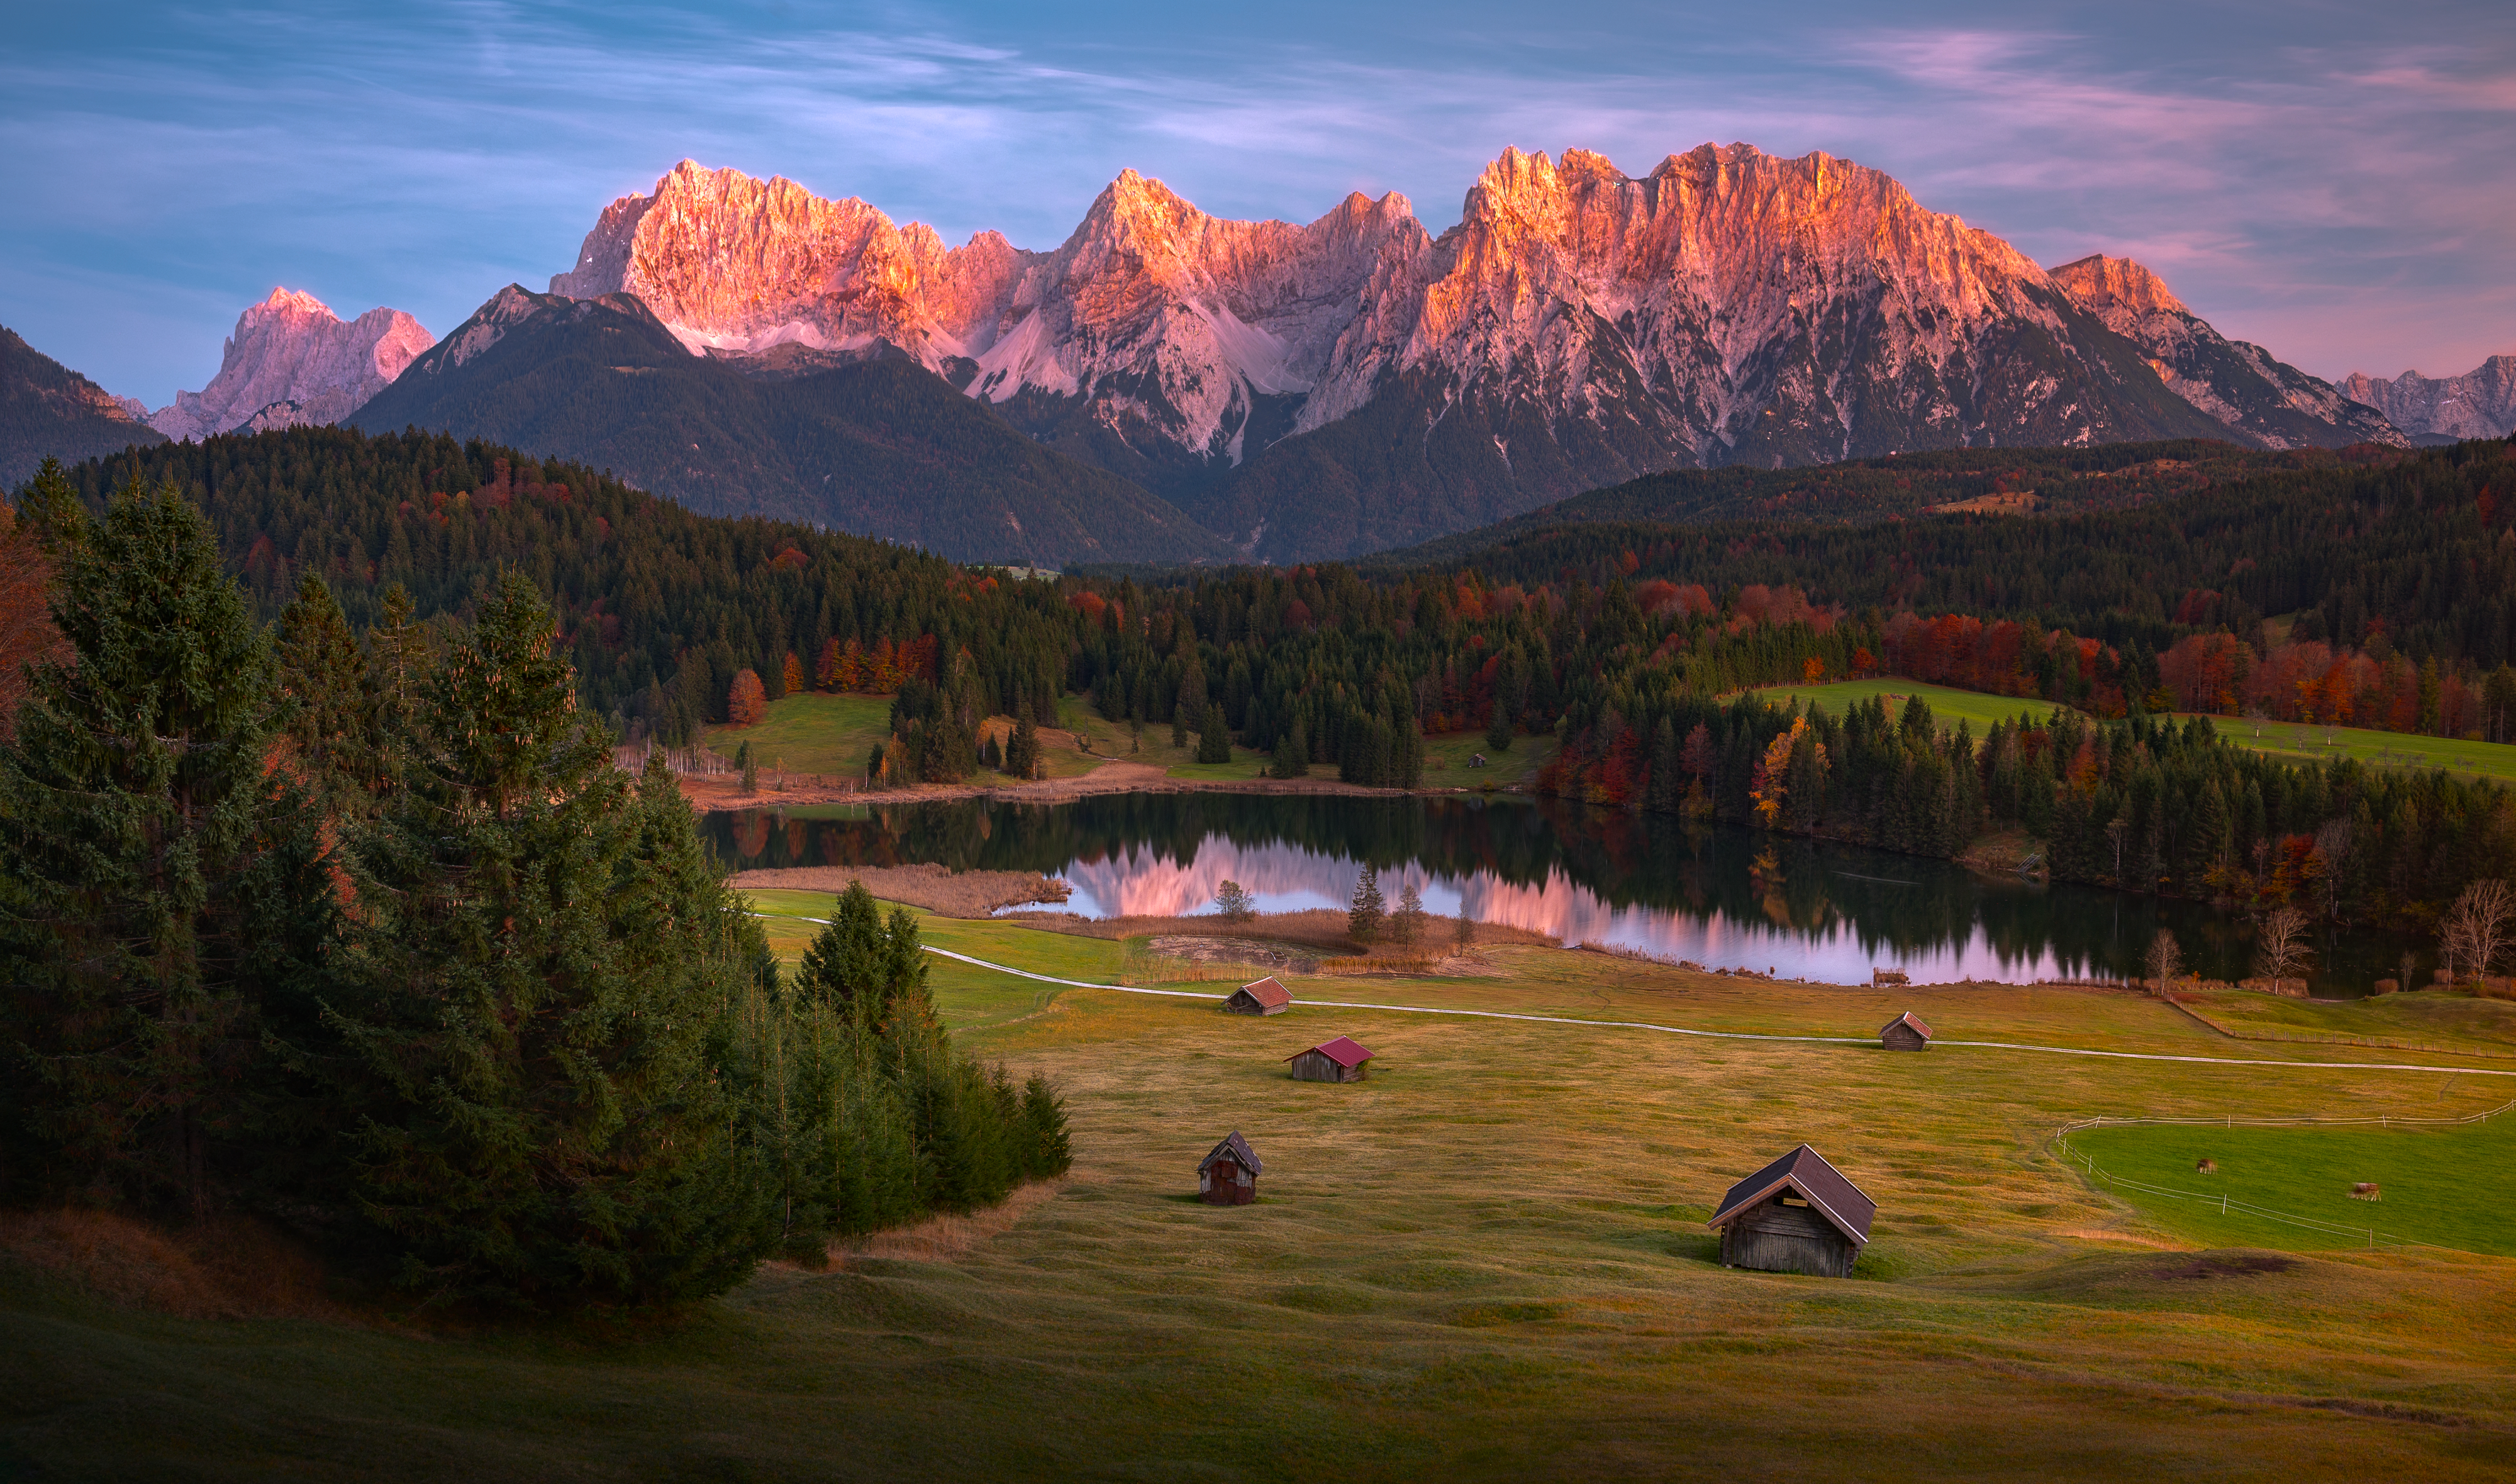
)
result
[(719, 792)]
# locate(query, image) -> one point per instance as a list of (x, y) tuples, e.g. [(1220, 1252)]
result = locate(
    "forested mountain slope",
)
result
[(880, 447), (659, 607), (47, 410)]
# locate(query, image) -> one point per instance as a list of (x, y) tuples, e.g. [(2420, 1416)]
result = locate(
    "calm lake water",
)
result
[(1722, 896)]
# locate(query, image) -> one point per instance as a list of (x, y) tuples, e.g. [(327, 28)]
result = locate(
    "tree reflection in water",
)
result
[(1721, 896)]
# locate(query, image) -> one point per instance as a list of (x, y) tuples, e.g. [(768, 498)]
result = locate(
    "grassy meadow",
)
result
[(1488, 1261), (2438, 1184), (2281, 739)]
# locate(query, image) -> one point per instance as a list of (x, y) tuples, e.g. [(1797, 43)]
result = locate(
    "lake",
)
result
[(1723, 896)]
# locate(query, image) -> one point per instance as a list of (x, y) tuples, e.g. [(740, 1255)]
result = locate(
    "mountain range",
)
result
[(2481, 403), (1166, 385)]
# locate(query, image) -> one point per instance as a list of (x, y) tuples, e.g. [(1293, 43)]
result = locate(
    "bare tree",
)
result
[(2164, 961), (2280, 949), (2476, 930), (1464, 936), (1237, 905), (1406, 924)]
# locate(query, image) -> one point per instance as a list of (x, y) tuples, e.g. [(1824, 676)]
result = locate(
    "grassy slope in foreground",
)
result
[(1487, 1261), (2280, 739)]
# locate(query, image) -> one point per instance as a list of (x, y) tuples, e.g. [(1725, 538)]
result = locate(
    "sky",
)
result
[(2336, 182)]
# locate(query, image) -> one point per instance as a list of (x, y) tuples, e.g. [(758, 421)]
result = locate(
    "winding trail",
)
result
[(1677, 1030)]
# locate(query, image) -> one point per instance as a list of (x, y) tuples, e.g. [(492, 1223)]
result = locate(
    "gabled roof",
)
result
[(1819, 1184), (1268, 992), (1233, 1148), (1907, 1018), (1344, 1051)]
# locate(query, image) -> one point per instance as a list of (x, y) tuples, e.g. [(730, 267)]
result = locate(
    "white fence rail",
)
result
[(2230, 1206)]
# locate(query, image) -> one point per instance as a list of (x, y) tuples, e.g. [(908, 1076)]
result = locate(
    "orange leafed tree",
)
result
[(794, 674), (746, 702)]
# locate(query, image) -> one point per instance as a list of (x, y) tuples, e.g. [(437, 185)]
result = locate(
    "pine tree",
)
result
[(1022, 757), (1498, 730), (322, 685), (1214, 736), (1369, 910), (1406, 924), (847, 968), (136, 819), (1291, 759), (545, 964)]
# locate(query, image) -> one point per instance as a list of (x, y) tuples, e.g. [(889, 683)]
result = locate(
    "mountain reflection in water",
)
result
[(1721, 896)]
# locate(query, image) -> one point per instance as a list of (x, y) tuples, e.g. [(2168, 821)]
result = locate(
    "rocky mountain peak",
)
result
[(291, 360), (2102, 284), (2238, 384)]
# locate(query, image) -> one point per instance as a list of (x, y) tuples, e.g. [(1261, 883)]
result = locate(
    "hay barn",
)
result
[(1905, 1034), (1338, 1060), (1798, 1215), (1264, 998), (1229, 1176)]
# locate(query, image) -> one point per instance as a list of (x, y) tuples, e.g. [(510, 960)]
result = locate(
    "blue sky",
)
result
[(2336, 182)]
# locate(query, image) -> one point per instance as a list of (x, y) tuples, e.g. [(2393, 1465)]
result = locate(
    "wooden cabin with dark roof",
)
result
[(1338, 1060), (1229, 1176), (1798, 1215), (1904, 1034), (1264, 998)]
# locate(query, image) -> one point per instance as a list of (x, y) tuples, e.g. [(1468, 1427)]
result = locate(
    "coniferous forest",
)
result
[(366, 933), (2366, 587)]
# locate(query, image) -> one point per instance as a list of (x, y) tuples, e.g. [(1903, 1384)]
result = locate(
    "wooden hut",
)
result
[(1798, 1215), (1904, 1034), (1229, 1176), (1338, 1060), (1264, 998)]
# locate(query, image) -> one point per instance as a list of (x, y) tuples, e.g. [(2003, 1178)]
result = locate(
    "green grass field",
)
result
[(2439, 1185), (827, 734), (1949, 706), (2283, 739), (1487, 1261)]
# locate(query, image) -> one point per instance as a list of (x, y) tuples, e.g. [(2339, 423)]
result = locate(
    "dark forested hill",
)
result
[(659, 607), (47, 410), (2412, 545), (881, 448), (2004, 482)]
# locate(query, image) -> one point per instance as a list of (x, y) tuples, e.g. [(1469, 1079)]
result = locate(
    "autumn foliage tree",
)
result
[(746, 703)]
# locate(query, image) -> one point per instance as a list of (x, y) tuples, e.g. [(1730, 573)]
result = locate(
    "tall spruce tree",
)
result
[(323, 688), (545, 974), (136, 810)]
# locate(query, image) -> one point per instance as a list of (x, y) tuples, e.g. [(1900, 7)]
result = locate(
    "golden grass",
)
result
[(1489, 1261)]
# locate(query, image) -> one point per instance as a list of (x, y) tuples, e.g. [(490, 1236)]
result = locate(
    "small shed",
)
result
[(1264, 998), (1229, 1176), (1904, 1034), (1798, 1215), (1338, 1060)]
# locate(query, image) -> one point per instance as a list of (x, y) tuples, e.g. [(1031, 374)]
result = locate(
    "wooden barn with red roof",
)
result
[(1798, 1215), (1904, 1034), (1338, 1060), (1264, 998)]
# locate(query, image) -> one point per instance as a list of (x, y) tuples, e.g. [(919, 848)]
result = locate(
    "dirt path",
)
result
[(1679, 1030)]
